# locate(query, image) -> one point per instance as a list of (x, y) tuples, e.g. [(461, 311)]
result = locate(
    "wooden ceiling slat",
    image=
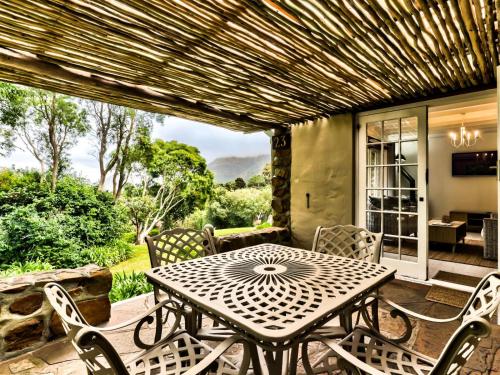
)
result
[(250, 65)]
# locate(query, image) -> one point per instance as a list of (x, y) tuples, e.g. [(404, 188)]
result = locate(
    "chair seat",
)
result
[(176, 357), (381, 354)]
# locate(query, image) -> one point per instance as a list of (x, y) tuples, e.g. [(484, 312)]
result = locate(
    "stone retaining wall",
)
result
[(267, 235), (26, 318)]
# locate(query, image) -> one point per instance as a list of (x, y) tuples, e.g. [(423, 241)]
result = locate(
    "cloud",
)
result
[(212, 141)]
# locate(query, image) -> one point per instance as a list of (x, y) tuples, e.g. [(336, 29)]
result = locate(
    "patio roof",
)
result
[(250, 64)]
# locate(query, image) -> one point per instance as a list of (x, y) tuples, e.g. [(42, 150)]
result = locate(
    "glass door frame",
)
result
[(405, 268)]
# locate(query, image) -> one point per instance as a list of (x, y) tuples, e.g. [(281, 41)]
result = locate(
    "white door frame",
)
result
[(417, 270)]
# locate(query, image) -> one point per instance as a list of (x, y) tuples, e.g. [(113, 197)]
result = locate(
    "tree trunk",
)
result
[(141, 237), (55, 171), (102, 181)]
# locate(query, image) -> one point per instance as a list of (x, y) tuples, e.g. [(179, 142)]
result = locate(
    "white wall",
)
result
[(322, 165), (448, 193)]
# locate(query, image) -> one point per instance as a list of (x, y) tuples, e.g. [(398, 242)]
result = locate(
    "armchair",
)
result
[(366, 351), (174, 352)]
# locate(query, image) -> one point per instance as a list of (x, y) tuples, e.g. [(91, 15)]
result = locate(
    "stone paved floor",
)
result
[(59, 358)]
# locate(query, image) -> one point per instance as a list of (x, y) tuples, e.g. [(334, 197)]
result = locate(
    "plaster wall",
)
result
[(322, 169)]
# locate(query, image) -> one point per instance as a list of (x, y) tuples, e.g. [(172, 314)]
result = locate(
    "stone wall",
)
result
[(26, 318), (281, 167), (267, 235)]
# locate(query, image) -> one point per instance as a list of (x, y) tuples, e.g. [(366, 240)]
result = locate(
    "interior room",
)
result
[(462, 199)]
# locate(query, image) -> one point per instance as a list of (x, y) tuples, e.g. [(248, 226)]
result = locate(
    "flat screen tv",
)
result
[(482, 163)]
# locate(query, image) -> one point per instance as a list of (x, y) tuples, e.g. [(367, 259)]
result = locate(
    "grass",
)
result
[(139, 261)]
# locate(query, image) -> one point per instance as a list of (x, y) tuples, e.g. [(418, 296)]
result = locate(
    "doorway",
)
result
[(392, 188), (463, 202)]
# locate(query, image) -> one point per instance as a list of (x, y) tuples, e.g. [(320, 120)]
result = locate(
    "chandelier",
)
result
[(464, 137)]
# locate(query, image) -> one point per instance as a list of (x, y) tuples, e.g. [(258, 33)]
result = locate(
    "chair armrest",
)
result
[(413, 314), (359, 367), (217, 353), (175, 309), (157, 316)]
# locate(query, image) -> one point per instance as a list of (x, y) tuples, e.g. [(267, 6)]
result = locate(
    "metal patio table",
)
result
[(272, 295)]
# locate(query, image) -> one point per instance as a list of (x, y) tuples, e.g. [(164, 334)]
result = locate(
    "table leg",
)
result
[(346, 320), (276, 362), (256, 364)]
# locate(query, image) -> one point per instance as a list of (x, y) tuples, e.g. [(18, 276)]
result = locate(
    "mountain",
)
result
[(229, 168)]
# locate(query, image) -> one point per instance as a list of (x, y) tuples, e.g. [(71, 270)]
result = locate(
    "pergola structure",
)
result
[(250, 65)]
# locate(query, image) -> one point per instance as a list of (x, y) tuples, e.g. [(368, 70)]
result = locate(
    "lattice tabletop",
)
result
[(268, 292)]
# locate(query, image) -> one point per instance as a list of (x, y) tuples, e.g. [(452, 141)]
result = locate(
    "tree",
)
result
[(134, 130), (112, 132), (54, 124), (261, 180), (239, 183), (175, 180), (13, 111)]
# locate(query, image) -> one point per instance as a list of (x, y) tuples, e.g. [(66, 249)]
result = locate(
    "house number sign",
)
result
[(281, 142)]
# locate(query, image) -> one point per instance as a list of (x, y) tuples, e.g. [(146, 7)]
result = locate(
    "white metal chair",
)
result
[(366, 351), (351, 242), (179, 245), (175, 352), (348, 241)]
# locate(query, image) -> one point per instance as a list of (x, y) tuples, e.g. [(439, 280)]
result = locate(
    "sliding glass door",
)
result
[(392, 186)]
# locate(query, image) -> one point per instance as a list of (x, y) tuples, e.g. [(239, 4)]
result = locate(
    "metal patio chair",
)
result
[(175, 352), (366, 351), (179, 245), (350, 242)]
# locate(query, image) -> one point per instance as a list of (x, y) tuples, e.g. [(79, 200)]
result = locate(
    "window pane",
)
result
[(374, 177), (409, 200), (390, 248), (391, 224), (374, 155), (374, 132), (409, 250), (390, 152), (391, 177), (409, 152), (374, 200), (373, 220), (409, 225), (391, 130), (409, 176), (391, 200), (409, 128)]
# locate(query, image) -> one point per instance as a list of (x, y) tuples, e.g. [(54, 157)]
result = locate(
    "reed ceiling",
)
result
[(250, 64)]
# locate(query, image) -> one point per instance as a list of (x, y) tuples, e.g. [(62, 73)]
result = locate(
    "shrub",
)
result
[(29, 236), (238, 208), (126, 286), (56, 227), (196, 220), (108, 255), (17, 268), (129, 237)]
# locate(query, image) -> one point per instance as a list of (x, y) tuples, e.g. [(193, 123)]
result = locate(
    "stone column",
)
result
[(281, 167)]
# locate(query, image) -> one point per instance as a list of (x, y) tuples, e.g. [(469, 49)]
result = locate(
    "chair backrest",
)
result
[(348, 241), (179, 244), (92, 347), (71, 318), (485, 300), (461, 346)]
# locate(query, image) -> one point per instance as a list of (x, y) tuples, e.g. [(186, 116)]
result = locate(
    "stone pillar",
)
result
[(281, 168)]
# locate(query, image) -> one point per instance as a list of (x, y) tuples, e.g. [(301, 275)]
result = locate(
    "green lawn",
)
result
[(140, 258)]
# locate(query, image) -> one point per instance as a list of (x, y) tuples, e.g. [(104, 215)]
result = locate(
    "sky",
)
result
[(213, 142)]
